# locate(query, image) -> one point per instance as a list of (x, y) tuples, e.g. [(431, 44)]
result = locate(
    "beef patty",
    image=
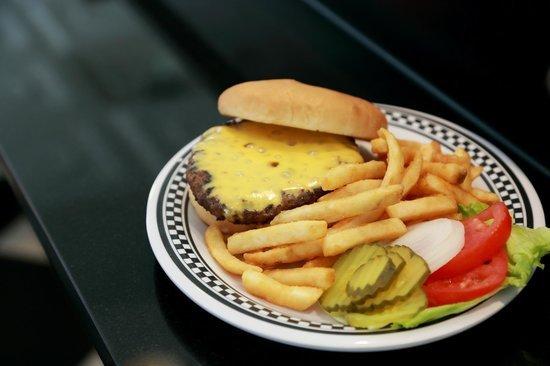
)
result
[(198, 180)]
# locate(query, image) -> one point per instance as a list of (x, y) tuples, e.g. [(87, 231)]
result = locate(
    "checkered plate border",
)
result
[(173, 223)]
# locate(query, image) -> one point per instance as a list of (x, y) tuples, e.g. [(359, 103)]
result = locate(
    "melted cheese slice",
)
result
[(251, 163)]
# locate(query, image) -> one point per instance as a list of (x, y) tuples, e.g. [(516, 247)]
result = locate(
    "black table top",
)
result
[(83, 165)]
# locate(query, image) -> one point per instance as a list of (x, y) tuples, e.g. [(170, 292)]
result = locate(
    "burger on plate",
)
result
[(283, 137)]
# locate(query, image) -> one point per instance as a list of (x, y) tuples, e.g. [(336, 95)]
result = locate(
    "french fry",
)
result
[(365, 218), (344, 174), (339, 242), (352, 188), (272, 236), (315, 277), (473, 173), (418, 190), (409, 148), (321, 262), (415, 145), (396, 161), (430, 151), (432, 185), (286, 254), (340, 208), (460, 157), (484, 196), (384, 216), (359, 220), (380, 146), (297, 252), (476, 171), (294, 297), (216, 246), (463, 157), (408, 154), (422, 208), (461, 196), (451, 172), (412, 173)]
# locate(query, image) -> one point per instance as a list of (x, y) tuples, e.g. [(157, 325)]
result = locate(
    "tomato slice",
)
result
[(483, 240), (468, 286)]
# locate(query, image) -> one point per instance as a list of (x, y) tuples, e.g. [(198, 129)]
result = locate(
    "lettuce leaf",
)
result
[(525, 249), (472, 209), (438, 312)]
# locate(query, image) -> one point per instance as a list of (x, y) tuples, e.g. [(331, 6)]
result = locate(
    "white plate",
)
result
[(176, 236)]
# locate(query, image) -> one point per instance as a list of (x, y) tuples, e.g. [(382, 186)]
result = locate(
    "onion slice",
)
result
[(437, 241)]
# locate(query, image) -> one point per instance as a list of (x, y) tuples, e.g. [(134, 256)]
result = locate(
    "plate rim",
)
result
[(334, 342)]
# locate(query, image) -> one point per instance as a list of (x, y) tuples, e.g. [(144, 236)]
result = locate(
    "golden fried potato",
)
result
[(412, 173), (459, 157), (344, 174), (272, 236), (451, 172), (422, 208), (352, 188), (310, 276), (340, 241), (484, 196), (432, 185), (430, 151), (321, 262), (473, 173), (360, 220), (396, 160), (380, 146), (367, 217), (294, 297), (286, 254), (409, 148), (216, 246), (340, 208)]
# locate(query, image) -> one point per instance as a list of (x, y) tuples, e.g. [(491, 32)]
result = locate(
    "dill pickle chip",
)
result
[(336, 297), (398, 263), (403, 251), (376, 273), (403, 284), (397, 260), (397, 312)]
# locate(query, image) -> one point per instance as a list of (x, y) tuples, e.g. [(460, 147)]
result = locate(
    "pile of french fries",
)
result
[(288, 263)]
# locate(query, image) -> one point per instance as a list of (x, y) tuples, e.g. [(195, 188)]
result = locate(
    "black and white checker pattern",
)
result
[(175, 199)]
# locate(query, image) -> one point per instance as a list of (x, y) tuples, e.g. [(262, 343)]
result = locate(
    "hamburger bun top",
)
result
[(287, 102)]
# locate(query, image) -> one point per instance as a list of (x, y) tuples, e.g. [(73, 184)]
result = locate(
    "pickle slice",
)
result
[(403, 284), (398, 263), (403, 251), (336, 298), (399, 311), (375, 274), (397, 260)]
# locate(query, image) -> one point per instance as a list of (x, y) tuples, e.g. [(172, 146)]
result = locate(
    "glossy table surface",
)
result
[(83, 154)]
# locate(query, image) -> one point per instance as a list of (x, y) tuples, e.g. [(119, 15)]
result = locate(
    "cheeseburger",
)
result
[(284, 137)]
